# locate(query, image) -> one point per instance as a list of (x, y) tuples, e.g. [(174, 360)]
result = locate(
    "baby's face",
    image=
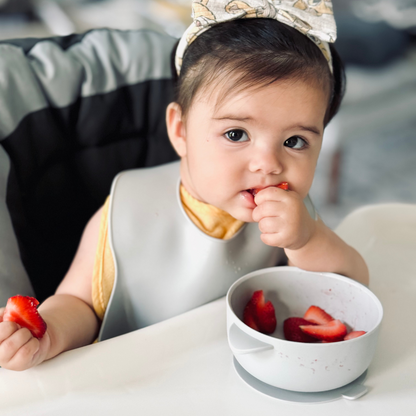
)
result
[(253, 139)]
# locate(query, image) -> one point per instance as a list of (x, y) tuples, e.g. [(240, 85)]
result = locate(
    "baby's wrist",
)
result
[(315, 237)]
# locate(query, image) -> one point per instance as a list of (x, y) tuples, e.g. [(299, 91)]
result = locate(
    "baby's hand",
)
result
[(19, 349), (283, 218)]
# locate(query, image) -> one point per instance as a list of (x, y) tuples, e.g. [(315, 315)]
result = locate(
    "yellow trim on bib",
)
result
[(211, 220), (104, 271)]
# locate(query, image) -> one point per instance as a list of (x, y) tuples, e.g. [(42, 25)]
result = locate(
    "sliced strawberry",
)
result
[(332, 331), (23, 310), (283, 185), (257, 297), (248, 316), (260, 315), (250, 311), (354, 334), (317, 315), (266, 317), (292, 331)]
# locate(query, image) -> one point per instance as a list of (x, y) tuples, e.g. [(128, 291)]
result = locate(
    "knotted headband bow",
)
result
[(313, 18)]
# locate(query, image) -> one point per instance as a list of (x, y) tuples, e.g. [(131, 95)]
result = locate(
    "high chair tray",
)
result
[(184, 366)]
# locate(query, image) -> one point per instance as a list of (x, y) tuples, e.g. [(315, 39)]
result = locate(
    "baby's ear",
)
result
[(176, 128)]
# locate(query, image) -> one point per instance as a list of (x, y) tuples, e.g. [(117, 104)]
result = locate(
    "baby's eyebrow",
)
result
[(312, 129), (234, 118)]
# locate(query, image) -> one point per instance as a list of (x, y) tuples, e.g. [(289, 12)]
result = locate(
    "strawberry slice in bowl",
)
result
[(292, 331), (259, 314), (317, 315), (333, 331), (24, 311), (354, 334)]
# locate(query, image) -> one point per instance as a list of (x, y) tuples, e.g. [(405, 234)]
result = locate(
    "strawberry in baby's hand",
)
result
[(292, 331), (259, 314), (332, 331), (24, 311), (283, 185), (318, 316)]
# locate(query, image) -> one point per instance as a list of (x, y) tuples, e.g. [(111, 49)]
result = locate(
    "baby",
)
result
[(257, 83)]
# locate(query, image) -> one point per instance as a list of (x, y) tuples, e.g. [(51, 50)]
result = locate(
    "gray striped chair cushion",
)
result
[(74, 111)]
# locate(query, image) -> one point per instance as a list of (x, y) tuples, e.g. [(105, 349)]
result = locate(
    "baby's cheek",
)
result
[(302, 191)]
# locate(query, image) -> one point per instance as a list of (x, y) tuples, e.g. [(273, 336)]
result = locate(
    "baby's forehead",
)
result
[(236, 88)]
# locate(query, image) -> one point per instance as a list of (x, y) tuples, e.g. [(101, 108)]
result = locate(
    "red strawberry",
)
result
[(354, 334), (266, 317), (260, 315), (23, 310), (317, 315), (248, 316), (332, 331), (283, 185), (250, 311), (292, 331)]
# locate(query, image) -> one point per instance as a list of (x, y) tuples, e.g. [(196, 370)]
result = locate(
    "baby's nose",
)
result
[(265, 161)]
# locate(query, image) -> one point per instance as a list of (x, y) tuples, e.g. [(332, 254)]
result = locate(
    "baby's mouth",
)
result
[(255, 191)]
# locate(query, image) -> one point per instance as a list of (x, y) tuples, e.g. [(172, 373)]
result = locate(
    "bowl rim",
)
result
[(268, 338)]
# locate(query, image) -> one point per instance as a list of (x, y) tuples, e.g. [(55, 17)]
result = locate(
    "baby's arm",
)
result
[(310, 245), (68, 314), (326, 252)]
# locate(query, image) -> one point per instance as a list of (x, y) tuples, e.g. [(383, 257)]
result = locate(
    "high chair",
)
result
[(74, 111)]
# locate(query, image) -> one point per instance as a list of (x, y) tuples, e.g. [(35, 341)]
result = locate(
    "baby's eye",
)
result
[(236, 135), (295, 142)]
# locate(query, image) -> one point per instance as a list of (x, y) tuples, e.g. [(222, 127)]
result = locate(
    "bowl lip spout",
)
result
[(291, 269)]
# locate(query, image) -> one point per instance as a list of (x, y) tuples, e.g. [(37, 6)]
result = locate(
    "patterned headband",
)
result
[(313, 18)]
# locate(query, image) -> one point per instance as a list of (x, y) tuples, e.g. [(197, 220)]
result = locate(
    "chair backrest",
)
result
[(74, 111)]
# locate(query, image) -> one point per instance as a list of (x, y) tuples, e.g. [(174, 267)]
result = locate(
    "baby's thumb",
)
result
[(1, 314)]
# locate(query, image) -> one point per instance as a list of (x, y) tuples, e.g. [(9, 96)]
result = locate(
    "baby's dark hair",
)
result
[(255, 52)]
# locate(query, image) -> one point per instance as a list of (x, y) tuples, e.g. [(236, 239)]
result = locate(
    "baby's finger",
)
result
[(25, 356), (270, 193), (273, 239), (270, 225), (10, 346), (267, 209), (7, 329)]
